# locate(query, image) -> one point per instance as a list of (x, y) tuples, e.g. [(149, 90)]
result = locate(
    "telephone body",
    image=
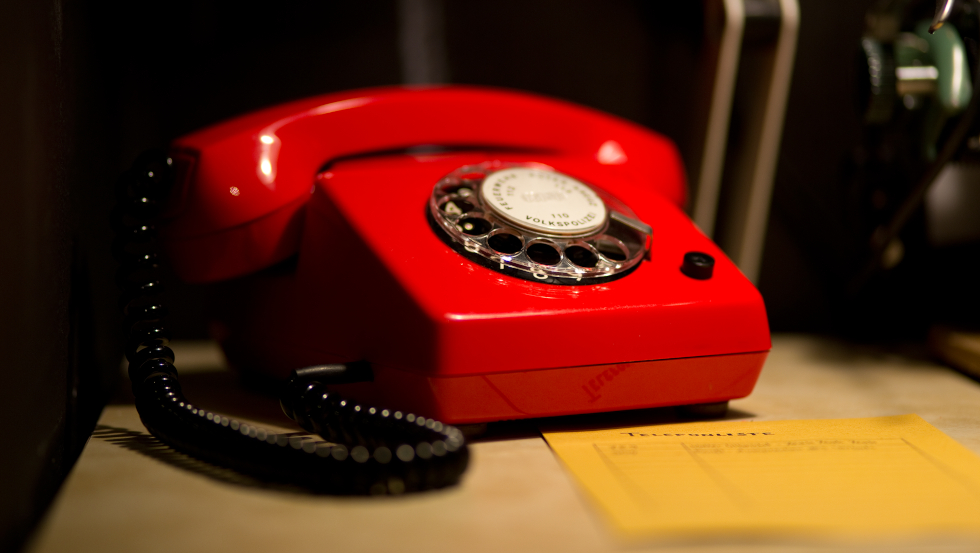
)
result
[(340, 222)]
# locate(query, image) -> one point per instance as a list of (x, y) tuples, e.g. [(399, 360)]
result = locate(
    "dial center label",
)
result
[(544, 201)]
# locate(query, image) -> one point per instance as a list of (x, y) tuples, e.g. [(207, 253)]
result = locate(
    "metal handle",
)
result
[(943, 7)]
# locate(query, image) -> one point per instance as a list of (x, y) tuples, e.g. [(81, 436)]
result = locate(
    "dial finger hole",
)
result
[(543, 253), (505, 242), (582, 256), (454, 205), (613, 250), (474, 226)]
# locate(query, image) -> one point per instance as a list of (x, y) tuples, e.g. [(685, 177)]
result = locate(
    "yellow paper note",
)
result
[(893, 476)]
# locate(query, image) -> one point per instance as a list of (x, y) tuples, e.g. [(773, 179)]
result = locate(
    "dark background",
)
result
[(88, 85)]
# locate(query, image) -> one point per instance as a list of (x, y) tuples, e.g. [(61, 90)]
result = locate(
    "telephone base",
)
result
[(702, 384)]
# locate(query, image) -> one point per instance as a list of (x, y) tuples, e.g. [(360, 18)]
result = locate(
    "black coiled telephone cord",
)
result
[(370, 450)]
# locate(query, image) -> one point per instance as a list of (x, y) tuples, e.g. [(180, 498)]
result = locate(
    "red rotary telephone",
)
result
[(490, 254)]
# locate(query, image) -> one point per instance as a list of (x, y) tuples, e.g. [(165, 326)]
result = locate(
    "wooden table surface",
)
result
[(129, 493)]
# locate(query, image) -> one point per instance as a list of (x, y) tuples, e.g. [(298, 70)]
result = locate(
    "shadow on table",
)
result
[(149, 446), (233, 401)]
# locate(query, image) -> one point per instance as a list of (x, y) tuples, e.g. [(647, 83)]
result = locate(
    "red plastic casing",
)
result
[(448, 338)]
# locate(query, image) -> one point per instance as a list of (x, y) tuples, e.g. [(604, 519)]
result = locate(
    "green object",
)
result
[(954, 85)]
